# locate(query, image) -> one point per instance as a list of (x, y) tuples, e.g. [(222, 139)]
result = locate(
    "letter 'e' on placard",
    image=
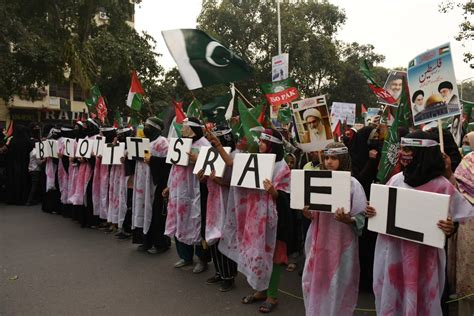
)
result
[(322, 190), (136, 147), (250, 170), (409, 214), (178, 150), (112, 153), (84, 148), (209, 160)]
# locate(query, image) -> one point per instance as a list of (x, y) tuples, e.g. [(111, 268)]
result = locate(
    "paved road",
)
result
[(51, 266)]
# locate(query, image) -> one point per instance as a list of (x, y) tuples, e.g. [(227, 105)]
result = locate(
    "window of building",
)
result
[(61, 90), (78, 93)]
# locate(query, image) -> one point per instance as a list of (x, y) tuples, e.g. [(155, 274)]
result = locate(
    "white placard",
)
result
[(42, 150), (69, 147), (322, 190), (178, 151), (280, 67), (112, 153), (250, 170), (84, 148), (210, 159), (136, 147), (98, 147), (409, 214), (52, 146), (343, 112)]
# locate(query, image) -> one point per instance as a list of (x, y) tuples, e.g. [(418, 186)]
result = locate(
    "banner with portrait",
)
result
[(433, 90)]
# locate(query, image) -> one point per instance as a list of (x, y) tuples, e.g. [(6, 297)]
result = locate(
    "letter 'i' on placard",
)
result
[(209, 160), (250, 170), (178, 150), (321, 190), (409, 214)]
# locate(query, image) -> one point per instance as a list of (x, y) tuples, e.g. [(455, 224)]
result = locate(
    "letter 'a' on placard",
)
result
[(112, 153), (209, 160), (322, 190), (409, 214), (98, 146), (250, 170), (178, 150), (69, 147), (84, 148), (52, 147), (136, 147)]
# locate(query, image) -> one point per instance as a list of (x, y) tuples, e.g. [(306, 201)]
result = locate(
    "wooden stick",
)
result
[(243, 97), (441, 138)]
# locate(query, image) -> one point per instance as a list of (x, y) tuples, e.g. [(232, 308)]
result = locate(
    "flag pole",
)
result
[(238, 91), (279, 27)]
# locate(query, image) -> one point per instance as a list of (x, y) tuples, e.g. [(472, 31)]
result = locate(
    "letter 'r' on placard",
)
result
[(250, 170), (178, 150), (322, 190), (209, 160), (409, 214)]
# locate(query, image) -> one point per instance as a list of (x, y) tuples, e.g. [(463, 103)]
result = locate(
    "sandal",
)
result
[(291, 267), (267, 307), (249, 299)]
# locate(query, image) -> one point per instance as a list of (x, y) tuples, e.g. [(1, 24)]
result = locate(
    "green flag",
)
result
[(249, 122), (194, 109), (92, 101), (202, 61), (215, 110), (284, 115), (391, 145), (280, 92)]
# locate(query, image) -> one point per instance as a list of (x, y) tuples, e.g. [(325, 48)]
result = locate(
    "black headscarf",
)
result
[(274, 148), (152, 130), (359, 150), (450, 147), (93, 127), (427, 163), (227, 139), (109, 133), (198, 133)]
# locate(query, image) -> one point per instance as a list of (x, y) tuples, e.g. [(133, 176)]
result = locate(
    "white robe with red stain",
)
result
[(184, 202), (50, 171), (250, 228), (143, 187), (81, 180), (62, 173), (117, 203), (331, 271), (409, 277)]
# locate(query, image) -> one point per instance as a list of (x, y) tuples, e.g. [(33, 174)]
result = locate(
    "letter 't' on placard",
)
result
[(409, 214), (322, 190), (209, 160), (136, 147), (112, 153), (178, 150), (250, 170), (98, 146), (84, 148)]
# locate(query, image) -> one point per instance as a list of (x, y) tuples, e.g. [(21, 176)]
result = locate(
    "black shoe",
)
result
[(143, 248), (214, 280), (227, 285), (122, 236)]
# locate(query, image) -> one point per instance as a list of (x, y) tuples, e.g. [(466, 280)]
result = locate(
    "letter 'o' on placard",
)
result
[(250, 170), (209, 160), (178, 150), (84, 148), (322, 190), (409, 214)]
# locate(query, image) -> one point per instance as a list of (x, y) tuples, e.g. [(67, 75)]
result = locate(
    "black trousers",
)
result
[(225, 267), (127, 222), (156, 233), (35, 177)]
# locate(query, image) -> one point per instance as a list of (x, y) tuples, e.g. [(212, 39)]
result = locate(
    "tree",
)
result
[(52, 40), (466, 28)]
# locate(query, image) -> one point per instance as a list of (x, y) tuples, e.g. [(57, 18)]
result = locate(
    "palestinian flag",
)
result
[(178, 108), (203, 61), (338, 130), (363, 109), (376, 89), (280, 92), (135, 94)]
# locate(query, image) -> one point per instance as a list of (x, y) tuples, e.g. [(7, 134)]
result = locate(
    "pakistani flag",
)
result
[(215, 110), (202, 61), (249, 122), (134, 100)]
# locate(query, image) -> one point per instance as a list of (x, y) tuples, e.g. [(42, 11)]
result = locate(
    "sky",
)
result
[(399, 30)]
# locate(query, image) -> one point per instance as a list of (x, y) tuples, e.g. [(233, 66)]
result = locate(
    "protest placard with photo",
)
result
[(312, 123), (372, 116), (433, 88), (343, 112)]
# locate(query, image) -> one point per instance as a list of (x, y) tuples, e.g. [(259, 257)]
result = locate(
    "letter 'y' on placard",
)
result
[(209, 160), (112, 153), (52, 147), (136, 147), (322, 190), (409, 214), (250, 170), (178, 150), (84, 148)]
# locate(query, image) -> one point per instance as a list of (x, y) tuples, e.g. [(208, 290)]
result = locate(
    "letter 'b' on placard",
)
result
[(322, 190), (409, 214)]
